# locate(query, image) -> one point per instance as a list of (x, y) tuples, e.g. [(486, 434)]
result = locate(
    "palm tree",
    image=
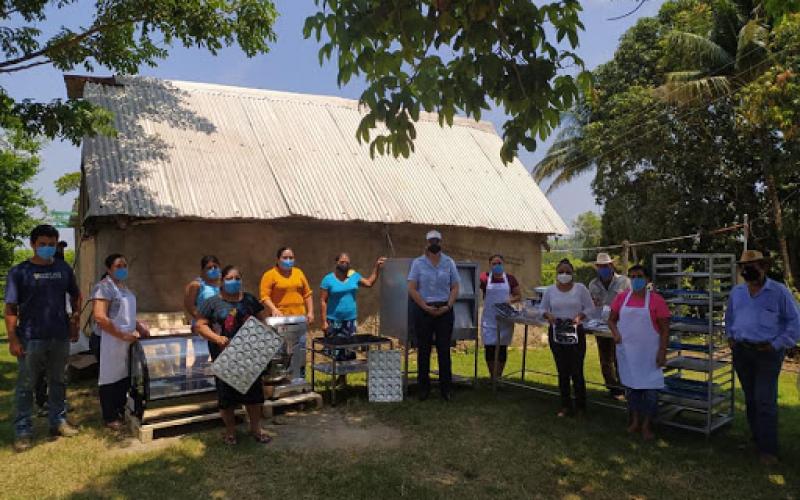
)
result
[(565, 160), (734, 53)]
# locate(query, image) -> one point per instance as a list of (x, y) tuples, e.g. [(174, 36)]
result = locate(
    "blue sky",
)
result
[(292, 65)]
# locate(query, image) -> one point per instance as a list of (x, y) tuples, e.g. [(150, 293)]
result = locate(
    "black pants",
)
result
[(113, 398), (502, 356), (569, 362), (430, 330)]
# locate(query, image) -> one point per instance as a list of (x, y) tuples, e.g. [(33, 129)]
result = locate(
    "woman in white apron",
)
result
[(114, 310), (498, 288), (639, 322)]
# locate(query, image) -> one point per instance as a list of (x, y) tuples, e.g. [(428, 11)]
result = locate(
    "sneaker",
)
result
[(22, 443), (64, 430)]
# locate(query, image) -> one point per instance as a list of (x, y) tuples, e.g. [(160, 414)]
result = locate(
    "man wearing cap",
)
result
[(604, 289), (433, 287), (762, 321)]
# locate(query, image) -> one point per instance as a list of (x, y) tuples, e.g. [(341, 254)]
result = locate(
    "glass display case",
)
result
[(169, 367)]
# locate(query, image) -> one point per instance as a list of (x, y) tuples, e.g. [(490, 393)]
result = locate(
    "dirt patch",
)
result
[(327, 429), (332, 430)]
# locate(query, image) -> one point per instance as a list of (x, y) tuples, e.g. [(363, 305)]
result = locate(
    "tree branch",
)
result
[(68, 42), (27, 66), (8, 13)]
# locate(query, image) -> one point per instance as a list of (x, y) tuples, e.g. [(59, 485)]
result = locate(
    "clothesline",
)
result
[(651, 242)]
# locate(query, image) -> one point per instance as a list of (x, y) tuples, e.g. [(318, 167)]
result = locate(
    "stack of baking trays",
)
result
[(172, 374)]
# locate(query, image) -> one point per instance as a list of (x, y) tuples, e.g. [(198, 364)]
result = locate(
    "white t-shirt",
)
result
[(567, 305)]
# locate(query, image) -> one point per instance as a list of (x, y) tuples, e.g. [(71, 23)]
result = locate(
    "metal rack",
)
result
[(699, 373), (326, 348)]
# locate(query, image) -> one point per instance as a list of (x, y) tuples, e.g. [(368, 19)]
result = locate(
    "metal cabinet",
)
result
[(396, 306)]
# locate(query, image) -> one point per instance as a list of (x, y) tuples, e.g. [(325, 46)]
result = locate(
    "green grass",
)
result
[(483, 445)]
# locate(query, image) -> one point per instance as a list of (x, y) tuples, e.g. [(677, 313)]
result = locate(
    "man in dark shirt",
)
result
[(40, 386), (39, 331)]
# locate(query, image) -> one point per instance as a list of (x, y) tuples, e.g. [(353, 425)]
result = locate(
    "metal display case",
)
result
[(699, 392), (168, 369)]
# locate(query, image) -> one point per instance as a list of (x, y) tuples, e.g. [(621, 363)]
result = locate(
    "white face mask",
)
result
[(564, 278)]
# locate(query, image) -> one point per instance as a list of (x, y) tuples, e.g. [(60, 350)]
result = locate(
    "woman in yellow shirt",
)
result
[(284, 290)]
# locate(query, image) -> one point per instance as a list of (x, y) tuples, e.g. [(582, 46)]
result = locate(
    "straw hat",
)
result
[(603, 258), (751, 256)]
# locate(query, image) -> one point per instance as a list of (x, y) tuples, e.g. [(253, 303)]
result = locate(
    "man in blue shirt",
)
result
[(433, 287), (762, 321), (39, 331)]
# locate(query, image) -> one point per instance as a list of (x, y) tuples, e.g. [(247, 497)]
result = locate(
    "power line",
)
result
[(696, 235)]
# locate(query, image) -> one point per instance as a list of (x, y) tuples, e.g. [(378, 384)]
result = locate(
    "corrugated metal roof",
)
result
[(191, 150)]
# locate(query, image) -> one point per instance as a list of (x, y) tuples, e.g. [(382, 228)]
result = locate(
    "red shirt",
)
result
[(658, 306), (512, 281)]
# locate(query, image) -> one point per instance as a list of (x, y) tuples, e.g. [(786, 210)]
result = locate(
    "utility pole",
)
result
[(626, 245), (746, 229)]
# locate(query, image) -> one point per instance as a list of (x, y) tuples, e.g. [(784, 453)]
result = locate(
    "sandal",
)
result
[(229, 439), (262, 438), (115, 426)]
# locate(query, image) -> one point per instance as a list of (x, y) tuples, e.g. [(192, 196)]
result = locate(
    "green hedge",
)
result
[(584, 271)]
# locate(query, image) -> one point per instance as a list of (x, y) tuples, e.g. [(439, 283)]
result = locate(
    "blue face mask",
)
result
[(46, 253), (497, 268), (638, 284), (605, 273), (232, 286), (287, 263), (121, 273), (214, 273)]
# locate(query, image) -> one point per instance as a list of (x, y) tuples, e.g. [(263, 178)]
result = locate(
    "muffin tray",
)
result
[(247, 355), (385, 376)]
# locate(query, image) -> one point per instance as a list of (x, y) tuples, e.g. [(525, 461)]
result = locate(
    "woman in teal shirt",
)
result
[(338, 298)]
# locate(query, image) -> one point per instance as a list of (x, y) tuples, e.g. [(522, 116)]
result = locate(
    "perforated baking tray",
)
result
[(385, 376), (247, 355)]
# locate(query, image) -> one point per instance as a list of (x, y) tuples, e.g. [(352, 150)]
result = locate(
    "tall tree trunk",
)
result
[(777, 214)]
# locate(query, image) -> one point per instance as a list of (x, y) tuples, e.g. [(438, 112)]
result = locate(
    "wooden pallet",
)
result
[(204, 412)]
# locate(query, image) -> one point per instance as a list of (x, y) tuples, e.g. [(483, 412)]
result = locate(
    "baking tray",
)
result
[(247, 355), (385, 376)]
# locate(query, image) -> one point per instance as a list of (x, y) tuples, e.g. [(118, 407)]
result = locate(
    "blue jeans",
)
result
[(643, 401), (42, 357), (758, 373)]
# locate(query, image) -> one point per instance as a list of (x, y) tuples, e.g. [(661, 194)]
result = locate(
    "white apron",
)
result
[(114, 351), (636, 354), (496, 293)]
